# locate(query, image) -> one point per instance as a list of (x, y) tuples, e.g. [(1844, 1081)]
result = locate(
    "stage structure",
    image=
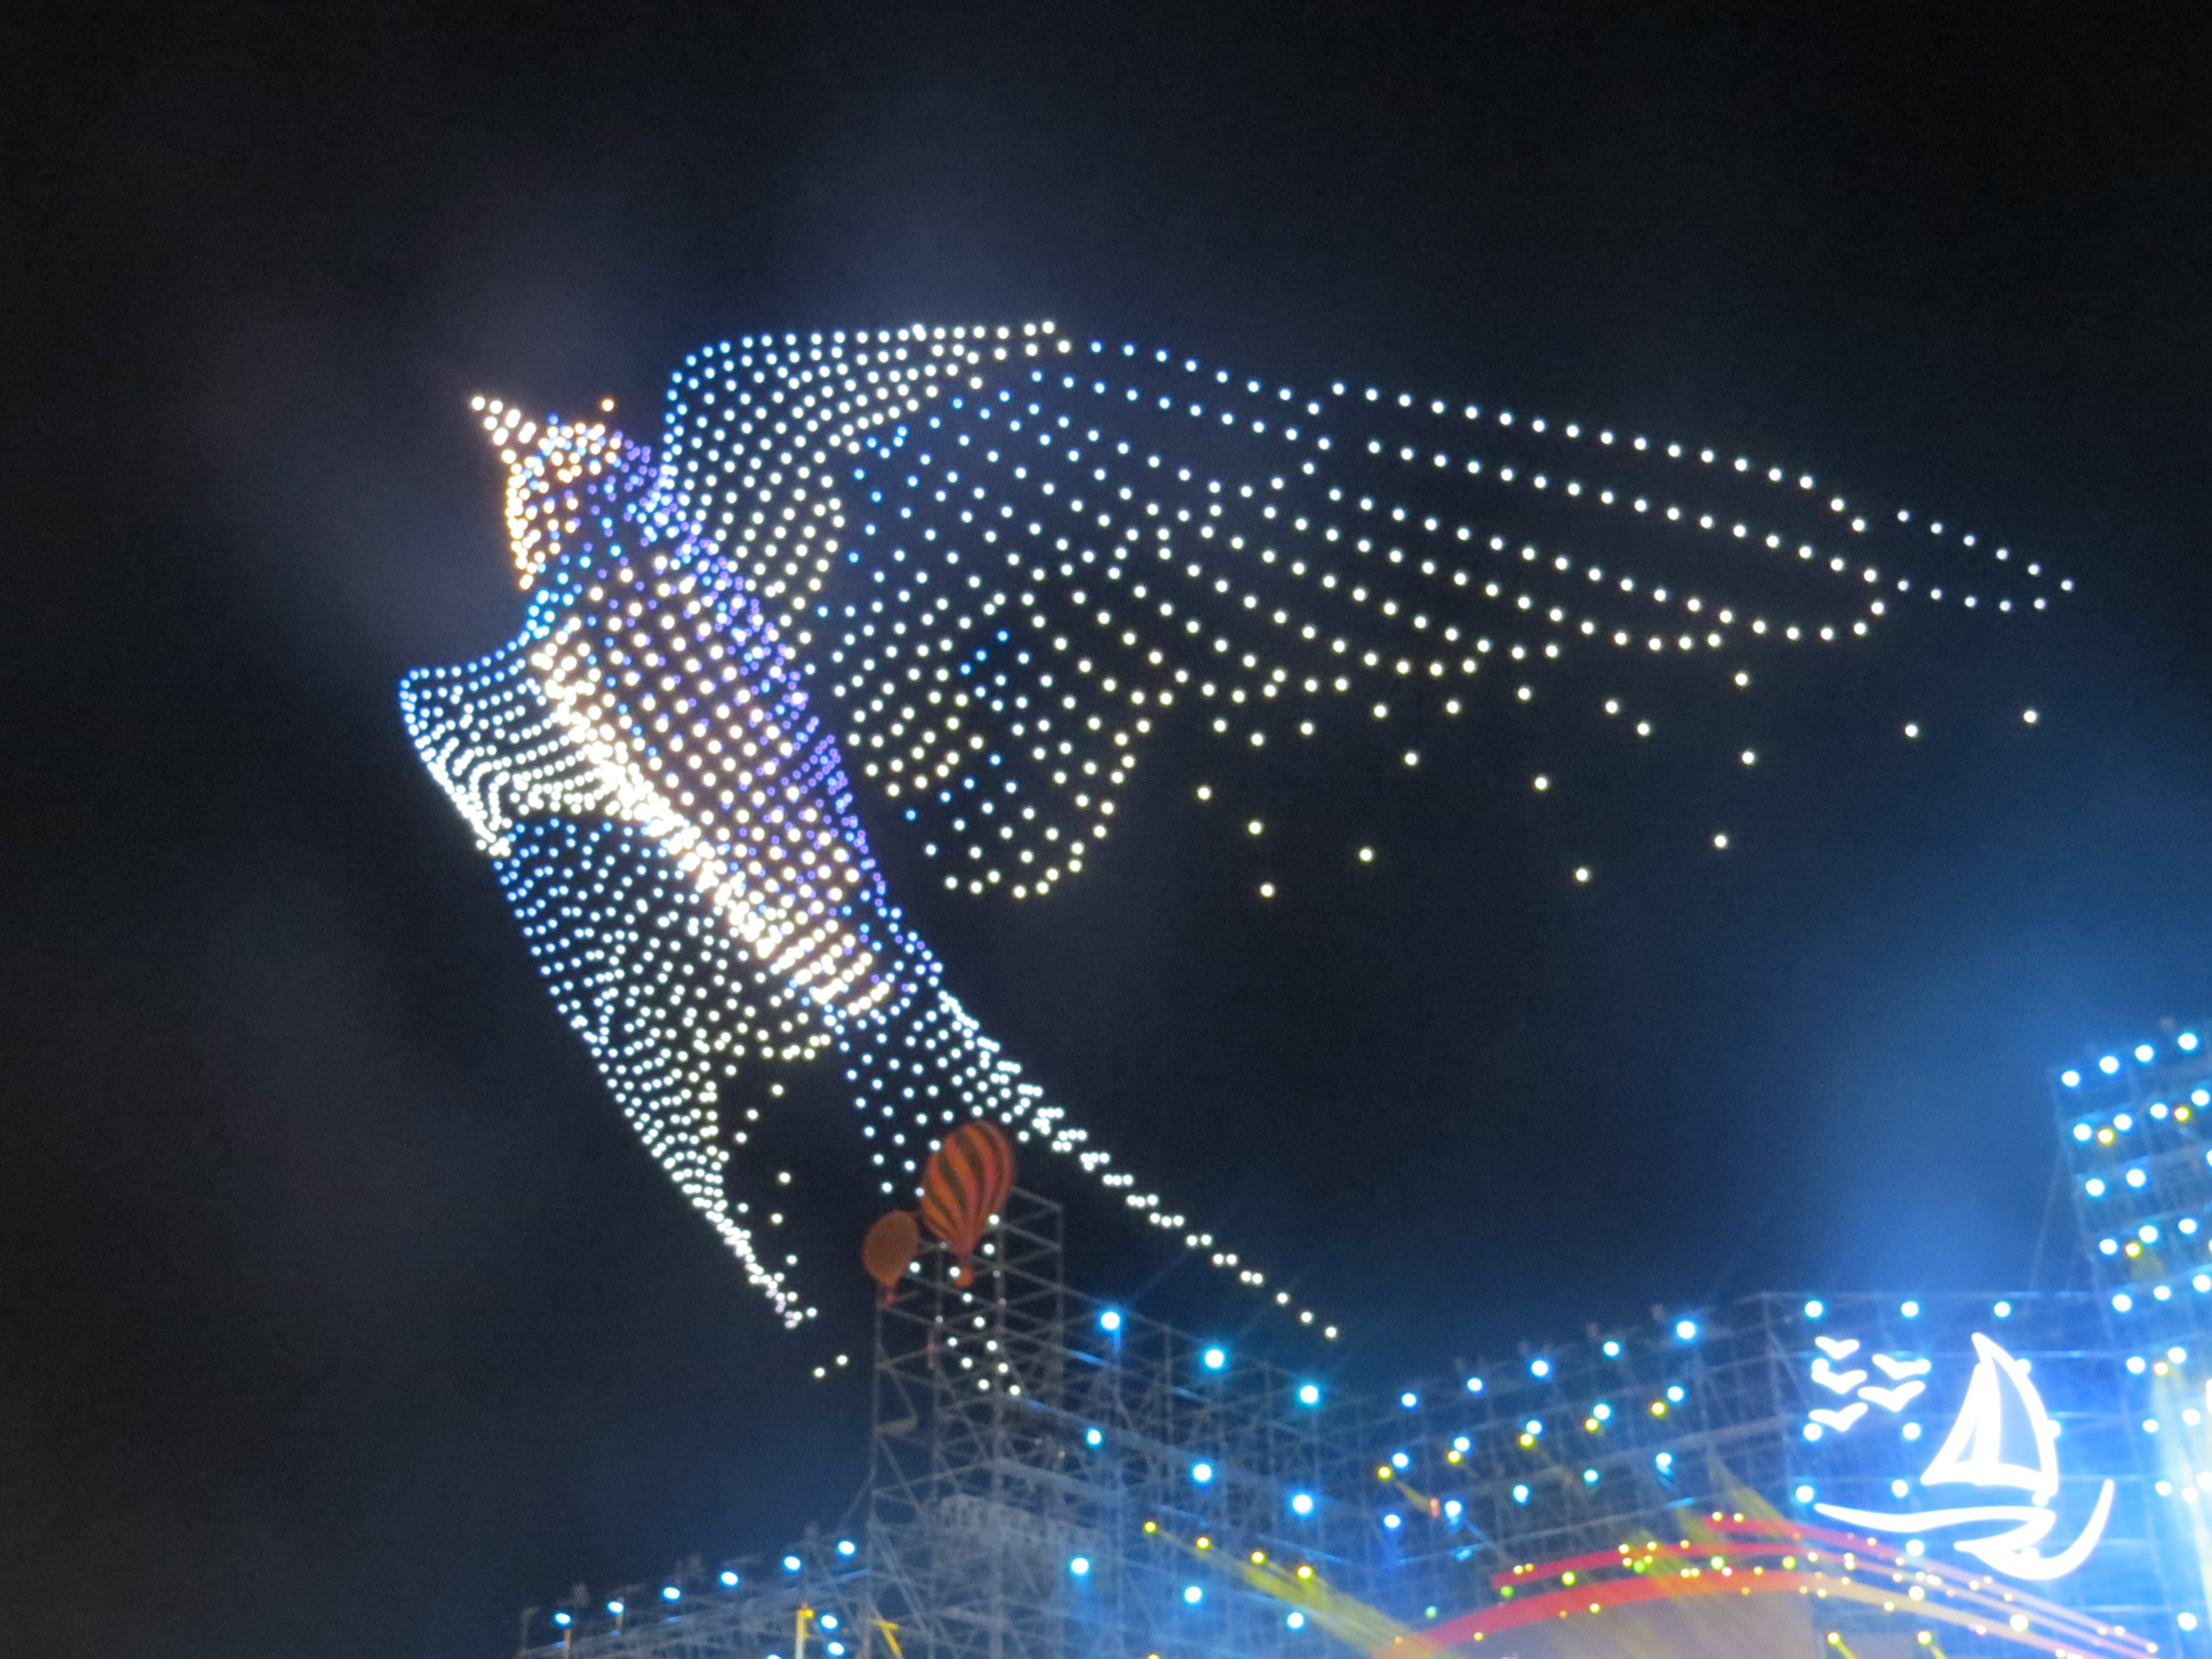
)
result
[(2138, 1135), (1055, 1476)]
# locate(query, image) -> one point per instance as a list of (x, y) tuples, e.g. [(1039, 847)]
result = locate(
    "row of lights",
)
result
[(2143, 1054)]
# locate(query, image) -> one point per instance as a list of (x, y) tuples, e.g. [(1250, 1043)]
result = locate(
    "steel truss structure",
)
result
[(1051, 1476)]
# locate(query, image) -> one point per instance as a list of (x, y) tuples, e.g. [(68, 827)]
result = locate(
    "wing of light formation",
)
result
[(1012, 560)]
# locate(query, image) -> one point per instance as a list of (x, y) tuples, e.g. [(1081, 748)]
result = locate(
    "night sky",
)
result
[(339, 1312)]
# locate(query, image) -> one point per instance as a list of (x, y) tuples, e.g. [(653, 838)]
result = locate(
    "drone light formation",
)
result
[(1012, 560)]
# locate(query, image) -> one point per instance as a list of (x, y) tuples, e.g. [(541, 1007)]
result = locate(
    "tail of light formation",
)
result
[(1012, 563)]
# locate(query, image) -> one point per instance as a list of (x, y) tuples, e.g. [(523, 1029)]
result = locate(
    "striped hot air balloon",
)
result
[(965, 1184)]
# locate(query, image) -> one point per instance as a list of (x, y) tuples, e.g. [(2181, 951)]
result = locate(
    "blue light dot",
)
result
[(669, 1593), (1520, 1494), (1814, 1309), (1539, 1368), (2072, 1080), (1094, 1438), (1394, 1521), (1080, 1565), (1409, 1400), (1686, 1330), (1302, 1502), (1109, 1321), (1201, 1472), (846, 1546), (1192, 1595), (1214, 1359), (730, 1580), (1308, 1394), (1474, 1385), (1804, 1494), (792, 1563)]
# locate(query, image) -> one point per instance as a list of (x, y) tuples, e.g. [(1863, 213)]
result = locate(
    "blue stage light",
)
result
[(1474, 1385), (671, 1593), (2108, 1065), (1664, 1462), (1298, 1621), (1910, 1310), (1539, 1368), (1520, 1494), (1214, 1359), (730, 1580), (1080, 1565), (1308, 1394), (1192, 1595), (1201, 1472), (1409, 1400), (1686, 1329), (1805, 1494), (792, 1564), (2186, 1042), (1611, 1350), (1302, 1502), (1394, 1521), (2070, 1078), (1453, 1508), (1109, 1321), (2003, 1310), (615, 1608), (1400, 1461), (846, 1546), (1094, 1437), (562, 1619), (2145, 1053), (1589, 1477), (1814, 1309)]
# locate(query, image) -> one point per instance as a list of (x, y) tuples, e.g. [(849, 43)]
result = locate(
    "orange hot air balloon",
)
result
[(966, 1184), (888, 1248)]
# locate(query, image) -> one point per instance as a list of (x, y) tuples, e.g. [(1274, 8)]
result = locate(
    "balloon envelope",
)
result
[(965, 1184), (888, 1248)]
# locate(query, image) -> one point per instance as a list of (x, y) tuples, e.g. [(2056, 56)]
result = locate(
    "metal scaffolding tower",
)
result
[(1052, 1477)]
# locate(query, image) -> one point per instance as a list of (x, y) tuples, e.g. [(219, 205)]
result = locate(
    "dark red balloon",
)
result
[(887, 1250)]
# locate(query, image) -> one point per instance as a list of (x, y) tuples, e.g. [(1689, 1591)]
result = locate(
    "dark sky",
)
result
[(339, 1314)]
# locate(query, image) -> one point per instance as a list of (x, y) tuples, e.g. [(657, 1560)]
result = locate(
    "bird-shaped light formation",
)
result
[(1012, 560)]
